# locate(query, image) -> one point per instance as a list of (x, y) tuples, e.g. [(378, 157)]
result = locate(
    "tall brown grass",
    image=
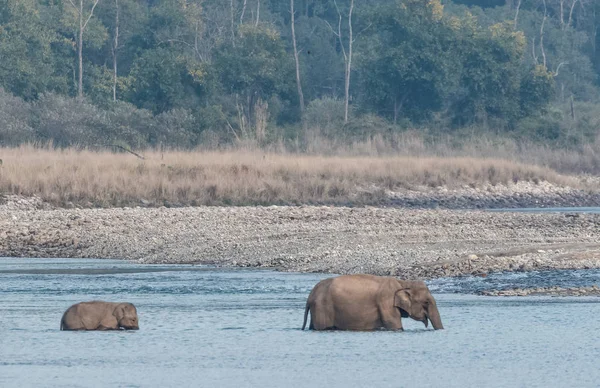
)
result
[(574, 160), (243, 176)]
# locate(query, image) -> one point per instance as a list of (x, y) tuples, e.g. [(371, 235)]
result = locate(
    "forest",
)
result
[(214, 73)]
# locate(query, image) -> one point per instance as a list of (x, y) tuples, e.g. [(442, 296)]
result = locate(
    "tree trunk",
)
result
[(257, 13), (348, 64), (196, 49), (298, 83), (398, 104), (232, 23), (114, 51), (80, 51), (542, 34), (571, 13), (243, 12), (517, 13), (562, 13), (347, 55), (82, 26)]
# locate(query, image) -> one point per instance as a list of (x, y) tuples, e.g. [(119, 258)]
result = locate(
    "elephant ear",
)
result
[(402, 300), (119, 312)]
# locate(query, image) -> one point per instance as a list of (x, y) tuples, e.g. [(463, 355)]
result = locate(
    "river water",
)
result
[(202, 327)]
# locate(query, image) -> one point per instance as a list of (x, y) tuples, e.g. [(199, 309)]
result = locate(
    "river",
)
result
[(206, 327)]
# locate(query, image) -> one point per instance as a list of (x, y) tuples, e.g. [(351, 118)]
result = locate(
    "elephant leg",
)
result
[(391, 320), (109, 323), (320, 319)]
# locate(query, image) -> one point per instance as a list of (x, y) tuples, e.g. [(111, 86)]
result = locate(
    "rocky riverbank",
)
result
[(489, 196), (414, 243)]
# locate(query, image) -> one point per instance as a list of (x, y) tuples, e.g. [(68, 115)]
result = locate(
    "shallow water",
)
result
[(241, 328), (509, 280)]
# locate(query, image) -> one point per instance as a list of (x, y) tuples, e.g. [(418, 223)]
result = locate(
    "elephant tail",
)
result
[(306, 309), (62, 321)]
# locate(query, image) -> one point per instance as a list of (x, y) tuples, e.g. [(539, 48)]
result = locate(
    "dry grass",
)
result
[(580, 160), (241, 177)]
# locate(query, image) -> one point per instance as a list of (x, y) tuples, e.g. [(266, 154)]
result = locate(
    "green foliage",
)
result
[(490, 79), (255, 64), (189, 74), (325, 115), (157, 80), (408, 66), (68, 122), (254, 67), (565, 56), (98, 83), (134, 127), (14, 120), (321, 62), (26, 65), (177, 126), (65, 121), (423, 62), (536, 90), (365, 127)]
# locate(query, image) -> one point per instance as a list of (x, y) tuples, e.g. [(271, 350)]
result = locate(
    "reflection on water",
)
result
[(240, 328)]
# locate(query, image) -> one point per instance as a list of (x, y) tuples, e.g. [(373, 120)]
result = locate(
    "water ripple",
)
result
[(242, 328)]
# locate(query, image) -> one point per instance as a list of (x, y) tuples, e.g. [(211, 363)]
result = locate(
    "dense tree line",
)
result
[(185, 72)]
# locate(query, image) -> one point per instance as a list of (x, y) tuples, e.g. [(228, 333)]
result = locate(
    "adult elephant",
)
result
[(367, 302), (99, 315)]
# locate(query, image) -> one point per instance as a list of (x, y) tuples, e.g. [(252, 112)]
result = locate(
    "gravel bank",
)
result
[(405, 242), (489, 196)]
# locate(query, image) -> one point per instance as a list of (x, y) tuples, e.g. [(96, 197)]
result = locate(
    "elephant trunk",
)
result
[(434, 317)]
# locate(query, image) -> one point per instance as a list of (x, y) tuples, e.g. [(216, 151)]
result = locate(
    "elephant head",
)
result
[(414, 300), (126, 315)]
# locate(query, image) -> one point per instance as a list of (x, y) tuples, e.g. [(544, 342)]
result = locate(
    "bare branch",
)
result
[(243, 12), (74, 6), (232, 23), (231, 128), (542, 34), (349, 61), (175, 41), (91, 13), (296, 59), (339, 34), (115, 48), (517, 13), (331, 28), (558, 68), (257, 13), (127, 150), (562, 12), (571, 12), (361, 31)]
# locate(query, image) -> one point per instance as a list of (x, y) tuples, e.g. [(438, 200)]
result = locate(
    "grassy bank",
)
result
[(239, 177)]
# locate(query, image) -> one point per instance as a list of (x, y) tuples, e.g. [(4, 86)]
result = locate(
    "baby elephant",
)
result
[(98, 315)]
